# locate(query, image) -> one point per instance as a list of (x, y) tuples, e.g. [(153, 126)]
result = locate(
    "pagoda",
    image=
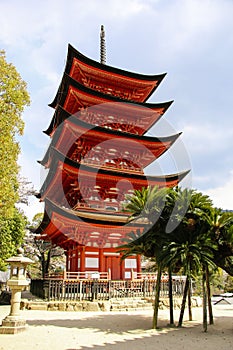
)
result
[(97, 156)]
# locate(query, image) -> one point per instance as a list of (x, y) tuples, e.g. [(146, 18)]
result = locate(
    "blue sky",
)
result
[(191, 40)]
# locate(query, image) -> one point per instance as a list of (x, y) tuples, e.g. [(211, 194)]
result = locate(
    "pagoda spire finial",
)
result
[(102, 46)]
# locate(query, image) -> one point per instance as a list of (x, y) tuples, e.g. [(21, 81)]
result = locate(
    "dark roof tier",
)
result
[(101, 230), (85, 143), (105, 110), (110, 80), (75, 185)]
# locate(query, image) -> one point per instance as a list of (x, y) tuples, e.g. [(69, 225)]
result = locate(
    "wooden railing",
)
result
[(71, 289)]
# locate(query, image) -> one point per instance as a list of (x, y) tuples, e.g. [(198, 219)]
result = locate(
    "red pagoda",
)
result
[(97, 156)]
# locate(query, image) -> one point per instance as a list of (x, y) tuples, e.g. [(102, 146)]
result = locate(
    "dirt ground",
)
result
[(118, 331)]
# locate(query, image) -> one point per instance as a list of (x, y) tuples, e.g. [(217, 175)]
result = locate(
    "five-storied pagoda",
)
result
[(97, 155)]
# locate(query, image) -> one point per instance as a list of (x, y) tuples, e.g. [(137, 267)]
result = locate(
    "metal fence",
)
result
[(61, 289)]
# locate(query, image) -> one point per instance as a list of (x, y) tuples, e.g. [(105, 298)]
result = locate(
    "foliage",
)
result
[(221, 232), (217, 281), (13, 99), (12, 230), (200, 221), (182, 232), (228, 287), (149, 204)]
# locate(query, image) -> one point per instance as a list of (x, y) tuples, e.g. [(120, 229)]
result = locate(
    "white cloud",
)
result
[(206, 137), (222, 196)]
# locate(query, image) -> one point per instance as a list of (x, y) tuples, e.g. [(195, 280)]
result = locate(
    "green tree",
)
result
[(12, 230), (189, 249), (221, 231), (192, 245), (182, 231), (228, 284), (13, 99)]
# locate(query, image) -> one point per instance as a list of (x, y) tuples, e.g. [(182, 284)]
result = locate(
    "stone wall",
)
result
[(109, 305)]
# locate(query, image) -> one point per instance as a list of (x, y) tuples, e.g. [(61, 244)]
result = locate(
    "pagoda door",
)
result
[(113, 263)]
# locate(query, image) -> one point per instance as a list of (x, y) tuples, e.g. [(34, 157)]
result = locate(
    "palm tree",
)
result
[(177, 233), (147, 203), (221, 232), (190, 250), (188, 243)]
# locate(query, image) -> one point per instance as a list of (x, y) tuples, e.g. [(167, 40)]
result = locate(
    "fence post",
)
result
[(63, 289), (46, 289), (144, 288), (109, 289), (80, 290), (94, 289)]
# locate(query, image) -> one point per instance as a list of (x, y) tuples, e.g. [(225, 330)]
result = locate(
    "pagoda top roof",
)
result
[(111, 141), (66, 226), (105, 109), (111, 80)]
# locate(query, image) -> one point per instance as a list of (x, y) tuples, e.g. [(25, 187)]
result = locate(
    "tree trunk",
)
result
[(170, 296), (48, 261), (204, 302), (43, 263), (186, 288), (190, 301), (157, 294), (211, 317)]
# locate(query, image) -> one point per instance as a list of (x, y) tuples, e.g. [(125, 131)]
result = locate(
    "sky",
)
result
[(190, 40)]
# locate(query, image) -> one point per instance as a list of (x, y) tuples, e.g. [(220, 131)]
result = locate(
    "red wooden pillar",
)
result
[(122, 268), (68, 260), (101, 260), (138, 257), (82, 259), (75, 263)]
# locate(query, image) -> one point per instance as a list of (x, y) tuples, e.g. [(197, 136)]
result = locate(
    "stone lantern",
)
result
[(14, 323)]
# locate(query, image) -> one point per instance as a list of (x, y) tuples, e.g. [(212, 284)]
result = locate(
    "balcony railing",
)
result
[(80, 275)]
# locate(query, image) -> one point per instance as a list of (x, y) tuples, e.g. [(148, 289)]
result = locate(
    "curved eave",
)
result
[(78, 122), (67, 81), (160, 178), (74, 124), (59, 116), (64, 227), (61, 162), (152, 80), (47, 229)]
